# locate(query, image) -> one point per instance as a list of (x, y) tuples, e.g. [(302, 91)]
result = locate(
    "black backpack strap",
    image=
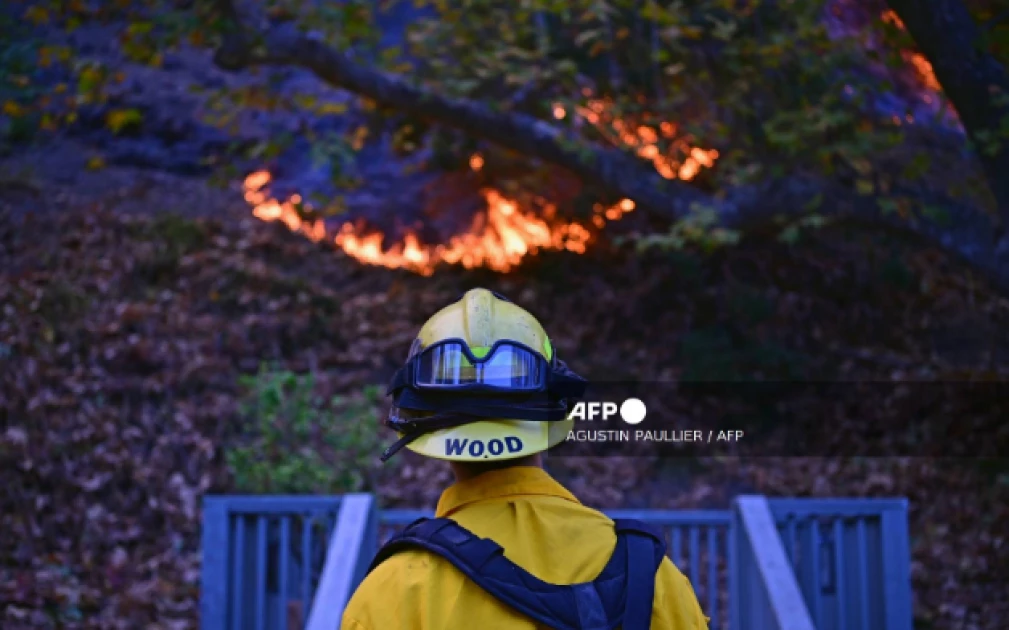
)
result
[(444, 537), (605, 603), (483, 562), (644, 543)]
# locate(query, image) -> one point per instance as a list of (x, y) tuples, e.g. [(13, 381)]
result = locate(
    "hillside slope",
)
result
[(123, 334)]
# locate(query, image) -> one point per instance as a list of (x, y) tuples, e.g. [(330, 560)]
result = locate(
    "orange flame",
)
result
[(502, 235), (921, 65), (890, 17), (923, 68), (645, 142), (499, 238), (272, 210)]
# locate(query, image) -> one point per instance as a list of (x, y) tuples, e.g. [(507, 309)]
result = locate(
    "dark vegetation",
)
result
[(139, 301), (121, 387)]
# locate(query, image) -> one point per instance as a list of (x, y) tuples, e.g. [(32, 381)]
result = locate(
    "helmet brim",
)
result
[(492, 440)]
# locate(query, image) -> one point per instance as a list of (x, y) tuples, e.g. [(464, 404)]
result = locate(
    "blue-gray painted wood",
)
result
[(239, 594), (676, 548), (862, 574), (260, 597), (713, 590), (845, 556), (214, 575), (734, 570), (347, 558), (850, 557), (252, 568), (280, 620), (897, 568), (306, 566), (278, 504), (778, 595)]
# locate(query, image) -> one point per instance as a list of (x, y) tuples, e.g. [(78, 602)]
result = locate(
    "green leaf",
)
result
[(940, 215), (121, 120), (887, 205), (139, 28), (301, 444), (918, 167), (789, 235)]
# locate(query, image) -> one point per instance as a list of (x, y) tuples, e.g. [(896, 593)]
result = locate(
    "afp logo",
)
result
[(632, 411)]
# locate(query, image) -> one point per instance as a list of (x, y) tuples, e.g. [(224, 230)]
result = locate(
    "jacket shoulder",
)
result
[(411, 575), (406, 567), (675, 606)]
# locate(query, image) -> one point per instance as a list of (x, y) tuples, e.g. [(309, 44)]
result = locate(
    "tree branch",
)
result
[(970, 236)]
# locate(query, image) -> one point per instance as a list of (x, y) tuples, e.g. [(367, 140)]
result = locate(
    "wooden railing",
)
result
[(776, 564)]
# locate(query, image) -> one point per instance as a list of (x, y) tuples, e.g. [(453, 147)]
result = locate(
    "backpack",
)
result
[(620, 597)]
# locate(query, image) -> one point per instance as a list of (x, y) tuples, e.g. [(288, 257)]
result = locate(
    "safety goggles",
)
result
[(506, 366)]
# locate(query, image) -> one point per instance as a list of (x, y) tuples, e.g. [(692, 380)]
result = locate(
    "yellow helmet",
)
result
[(482, 382)]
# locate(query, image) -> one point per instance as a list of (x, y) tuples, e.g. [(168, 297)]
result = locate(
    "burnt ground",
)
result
[(133, 299)]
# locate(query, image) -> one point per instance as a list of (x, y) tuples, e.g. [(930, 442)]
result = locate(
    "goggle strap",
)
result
[(563, 382), (536, 408), (413, 429), (397, 446), (402, 378)]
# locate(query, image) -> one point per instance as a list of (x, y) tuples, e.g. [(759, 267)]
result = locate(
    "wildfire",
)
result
[(503, 234), (499, 238), (921, 65), (269, 209), (923, 68), (645, 141)]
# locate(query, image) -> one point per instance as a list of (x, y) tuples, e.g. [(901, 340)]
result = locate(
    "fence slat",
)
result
[(840, 573), (862, 573), (343, 559), (868, 585), (759, 537), (897, 568), (214, 576), (695, 553), (734, 569), (816, 597), (307, 523), (239, 573), (676, 551), (262, 565), (790, 540), (713, 575), (284, 571)]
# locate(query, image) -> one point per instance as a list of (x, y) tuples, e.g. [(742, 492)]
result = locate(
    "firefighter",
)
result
[(509, 546)]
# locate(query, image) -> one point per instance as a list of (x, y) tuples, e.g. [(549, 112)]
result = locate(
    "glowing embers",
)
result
[(502, 234), (921, 65), (682, 160), (499, 237)]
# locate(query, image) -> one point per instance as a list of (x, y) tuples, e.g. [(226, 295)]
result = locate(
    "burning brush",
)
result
[(502, 234)]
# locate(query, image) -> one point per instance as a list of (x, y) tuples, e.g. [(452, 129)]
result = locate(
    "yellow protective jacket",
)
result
[(541, 526)]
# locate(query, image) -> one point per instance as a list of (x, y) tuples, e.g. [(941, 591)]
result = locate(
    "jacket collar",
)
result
[(514, 481)]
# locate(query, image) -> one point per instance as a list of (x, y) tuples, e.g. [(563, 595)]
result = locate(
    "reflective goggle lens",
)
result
[(447, 365)]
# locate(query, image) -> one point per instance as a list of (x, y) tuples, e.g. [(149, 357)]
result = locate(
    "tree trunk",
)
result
[(973, 80)]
